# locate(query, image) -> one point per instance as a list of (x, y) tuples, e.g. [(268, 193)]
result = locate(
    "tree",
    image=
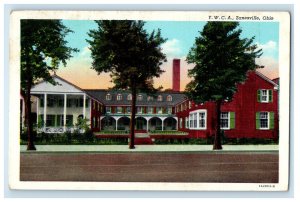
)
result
[(222, 60), (43, 48), (131, 55)]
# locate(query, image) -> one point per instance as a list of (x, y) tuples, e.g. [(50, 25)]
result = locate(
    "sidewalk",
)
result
[(148, 148)]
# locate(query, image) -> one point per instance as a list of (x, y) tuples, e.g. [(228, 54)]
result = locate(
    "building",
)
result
[(253, 112)]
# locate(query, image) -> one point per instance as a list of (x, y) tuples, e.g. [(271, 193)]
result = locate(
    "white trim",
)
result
[(266, 78), (228, 128), (197, 121), (268, 128)]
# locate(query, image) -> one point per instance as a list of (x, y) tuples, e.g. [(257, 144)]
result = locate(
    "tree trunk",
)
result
[(132, 120), (217, 142), (28, 120)]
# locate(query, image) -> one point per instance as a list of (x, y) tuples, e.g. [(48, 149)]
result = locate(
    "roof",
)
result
[(101, 95), (265, 78)]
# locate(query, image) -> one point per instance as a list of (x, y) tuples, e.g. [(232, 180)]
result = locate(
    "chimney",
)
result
[(176, 74)]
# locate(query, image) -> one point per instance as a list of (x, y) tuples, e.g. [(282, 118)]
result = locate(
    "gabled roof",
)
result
[(266, 78)]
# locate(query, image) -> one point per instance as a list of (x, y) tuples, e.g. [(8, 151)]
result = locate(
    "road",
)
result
[(230, 167)]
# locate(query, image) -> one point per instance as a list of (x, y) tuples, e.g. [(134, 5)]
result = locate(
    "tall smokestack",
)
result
[(176, 74)]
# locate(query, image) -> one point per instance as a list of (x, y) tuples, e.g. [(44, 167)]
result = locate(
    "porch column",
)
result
[(37, 111), (65, 111), (162, 122), (84, 97), (147, 125), (177, 122), (45, 110)]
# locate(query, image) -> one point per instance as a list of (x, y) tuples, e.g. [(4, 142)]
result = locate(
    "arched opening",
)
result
[(155, 123), (124, 123), (108, 123), (170, 123), (140, 123)]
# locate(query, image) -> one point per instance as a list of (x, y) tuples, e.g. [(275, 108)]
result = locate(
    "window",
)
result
[(149, 98), (79, 102), (186, 122), (140, 98), (264, 123), (224, 121), (69, 120), (129, 97), (119, 110), (69, 102), (119, 97), (264, 95), (169, 110), (159, 98), (139, 110), (50, 120), (190, 104), (128, 110), (198, 119), (108, 97), (108, 109), (265, 120), (60, 102), (159, 110), (50, 102), (150, 110), (169, 98)]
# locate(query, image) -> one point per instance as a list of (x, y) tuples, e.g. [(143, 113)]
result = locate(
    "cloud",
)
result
[(269, 49), (172, 48)]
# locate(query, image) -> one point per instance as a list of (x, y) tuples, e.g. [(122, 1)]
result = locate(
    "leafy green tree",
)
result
[(43, 48), (131, 55), (222, 60)]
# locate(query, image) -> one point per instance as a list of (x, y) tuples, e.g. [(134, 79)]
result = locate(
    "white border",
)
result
[(284, 63)]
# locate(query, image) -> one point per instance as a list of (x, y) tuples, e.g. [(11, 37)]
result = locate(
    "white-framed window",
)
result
[(150, 110), (186, 122), (129, 97), (108, 109), (140, 98), (139, 110), (108, 97), (119, 110), (264, 120), (169, 110), (169, 98), (119, 97), (190, 104), (198, 119), (265, 95), (224, 120), (159, 110), (159, 98)]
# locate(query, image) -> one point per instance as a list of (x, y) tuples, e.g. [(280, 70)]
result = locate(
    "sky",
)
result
[(180, 37)]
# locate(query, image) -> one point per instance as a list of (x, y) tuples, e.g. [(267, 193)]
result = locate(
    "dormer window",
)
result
[(108, 97), (129, 97), (159, 98), (140, 98), (169, 98), (119, 97)]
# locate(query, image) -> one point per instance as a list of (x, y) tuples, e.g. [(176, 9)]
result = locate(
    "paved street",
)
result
[(242, 167)]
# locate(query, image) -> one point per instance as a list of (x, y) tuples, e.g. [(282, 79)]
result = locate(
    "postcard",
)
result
[(149, 100)]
